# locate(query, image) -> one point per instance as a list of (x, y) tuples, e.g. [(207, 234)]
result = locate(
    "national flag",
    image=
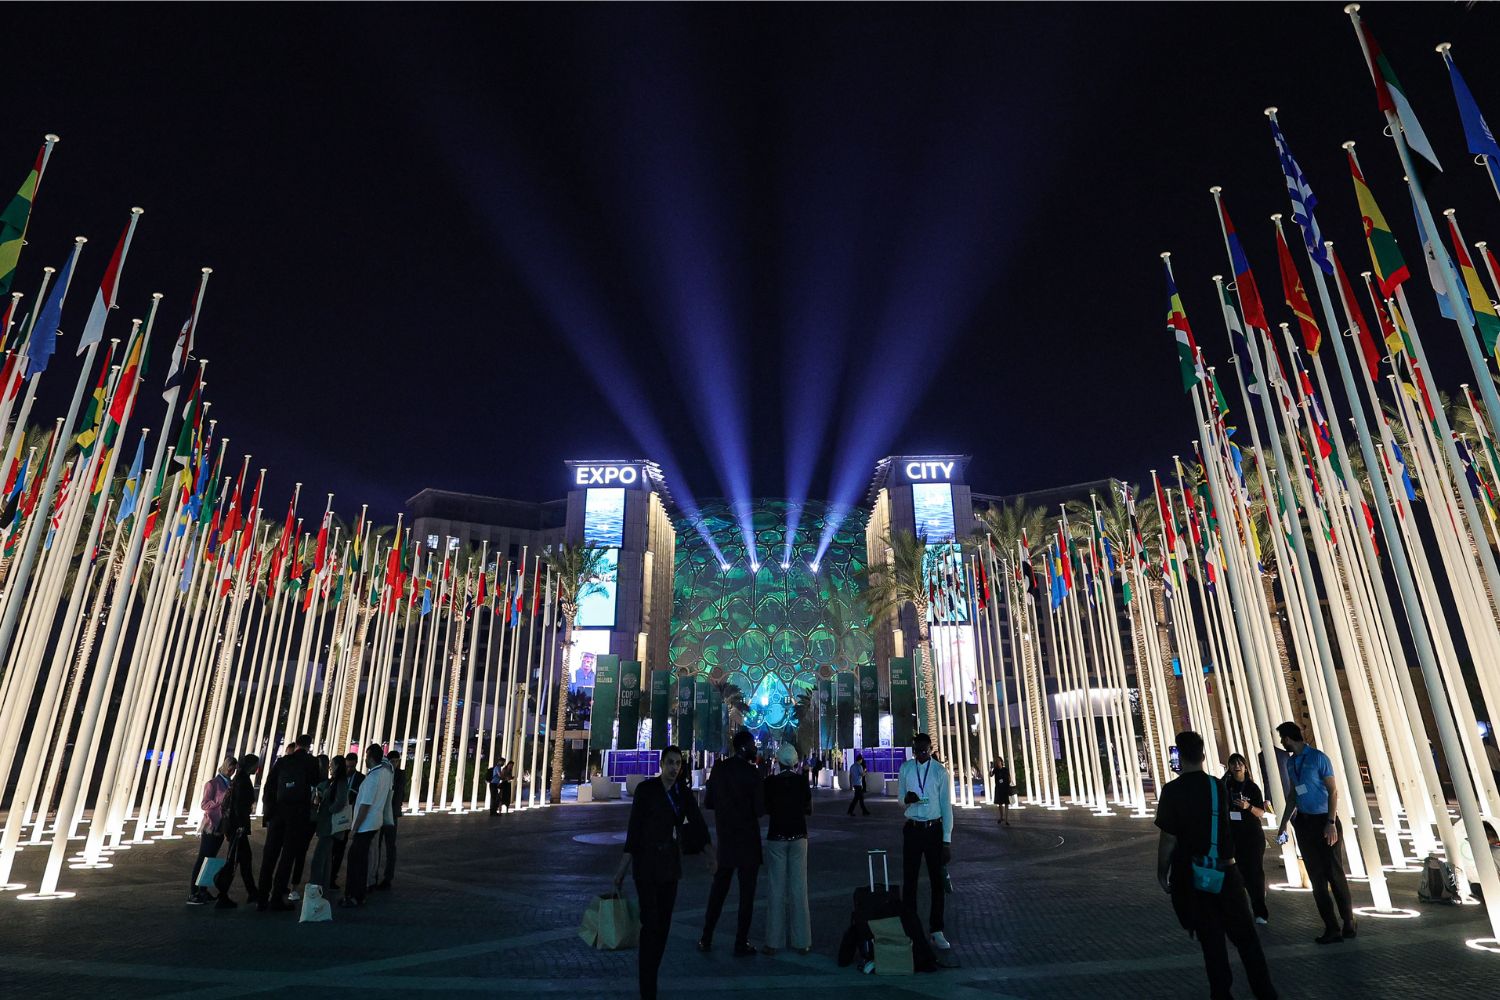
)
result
[(104, 299), (182, 351), (1434, 267), (94, 415), (1411, 491), (1385, 255), (1477, 131), (1237, 338), (1182, 332), (134, 368), (1296, 297), (1362, 331), (1244, 279), (1057, 586), (1483, 310), (189, 440), (320, 559), (516, 605), (11, 376), (45, 327), (1391, 97), (482, 598), (1390, 333), (1303, 200), (17, 215)]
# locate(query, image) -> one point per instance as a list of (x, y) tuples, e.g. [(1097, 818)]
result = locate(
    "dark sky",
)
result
[(764, 245)]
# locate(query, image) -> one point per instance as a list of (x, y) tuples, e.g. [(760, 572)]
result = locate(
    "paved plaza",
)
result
[(1061, 905)]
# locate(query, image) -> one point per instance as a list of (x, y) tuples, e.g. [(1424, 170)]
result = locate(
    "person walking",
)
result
[(788, 804), (857, 774), (369, 815), (288, 816), (496, 769), (1315, 819), (926, 793), (736, 794), (1003, 790), (211, 829), (238, 805), (1247, 808), (507, 784), (392, 816), (1192, 813), (665, 823), (334, 816)]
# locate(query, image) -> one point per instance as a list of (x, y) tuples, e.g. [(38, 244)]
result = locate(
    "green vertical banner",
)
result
[(630, 704), (716, 741), (661, 701), (848, 705), (869, 705), (606, 694), (903, 702), (683, 734), (825, 714), (700, 713)]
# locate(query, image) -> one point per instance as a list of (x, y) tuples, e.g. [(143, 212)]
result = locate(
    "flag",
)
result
[(1296, 297), (320, 559), (1476, 130), (104, 299), (1362, 331), (1054, 572), (1303, 200), (14, 219), (44, 329), (1434, 268), (1385, 255), (1392, 98), (182, 351), (123, 402), (1411, 492), (1187, 347), (1483, 310), (1244, 280), (94, 415), (1237, 339), (1394, 341)]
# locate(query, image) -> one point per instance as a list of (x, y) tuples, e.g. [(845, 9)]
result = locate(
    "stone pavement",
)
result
[(1060, 905)]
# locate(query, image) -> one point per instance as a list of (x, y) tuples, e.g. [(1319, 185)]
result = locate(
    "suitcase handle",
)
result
[(885, 867)]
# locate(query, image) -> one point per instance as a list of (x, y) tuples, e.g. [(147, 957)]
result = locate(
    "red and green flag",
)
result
[(1182, 333), (1385, 255), (1484, 310), (17, 215)]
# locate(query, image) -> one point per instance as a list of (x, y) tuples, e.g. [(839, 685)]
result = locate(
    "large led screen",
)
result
[(596, 605), (587, 646), (604, 525), (932, 503)]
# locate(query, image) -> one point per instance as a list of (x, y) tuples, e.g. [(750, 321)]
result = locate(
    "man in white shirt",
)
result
[(371, 806), (926, 791)]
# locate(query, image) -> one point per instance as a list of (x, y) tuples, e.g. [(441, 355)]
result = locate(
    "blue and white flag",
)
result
[(1477, 131), (43, 343), (1303, 201)]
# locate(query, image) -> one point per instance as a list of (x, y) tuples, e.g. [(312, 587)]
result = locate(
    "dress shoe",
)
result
[(225, 903), (705, 944), (1329, 937), (1350, 930), (743, 949)]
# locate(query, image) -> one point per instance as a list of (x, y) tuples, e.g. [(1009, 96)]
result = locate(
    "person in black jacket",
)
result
[(287, 798), (1247, 809), (664, 825), (736, 794), (236, 827)]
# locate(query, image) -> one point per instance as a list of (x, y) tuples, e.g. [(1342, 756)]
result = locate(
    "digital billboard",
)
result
[(932, 504), (603, 525), (588, 645)]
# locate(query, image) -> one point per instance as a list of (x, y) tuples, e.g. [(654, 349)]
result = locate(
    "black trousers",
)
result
[(918, 844), (1325, 868), (298, 834), (657, 900), (1226, 915), (208, 847), (859, 800), (495, 801), (355, 885), (388, 846), (339, 843), (239, 854), (1250, 859), (718, 891)]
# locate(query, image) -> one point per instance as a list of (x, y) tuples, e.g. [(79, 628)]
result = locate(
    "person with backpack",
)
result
[(238, 805), (288, 816), (857, 782), (1195, 864), (1314, 817)]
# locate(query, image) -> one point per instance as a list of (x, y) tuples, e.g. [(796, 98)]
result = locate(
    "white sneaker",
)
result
[(939, 942), (294, 896), (1260, 920)]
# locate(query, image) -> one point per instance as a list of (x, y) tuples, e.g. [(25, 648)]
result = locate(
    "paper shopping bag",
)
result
[(209, 871), (315, 907), (611, 923), (893, 955)]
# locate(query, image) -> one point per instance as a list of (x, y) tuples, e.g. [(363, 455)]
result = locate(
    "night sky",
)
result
[(763, 245)]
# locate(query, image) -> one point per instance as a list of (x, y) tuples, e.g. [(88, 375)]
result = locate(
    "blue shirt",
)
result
[(1305, 772)]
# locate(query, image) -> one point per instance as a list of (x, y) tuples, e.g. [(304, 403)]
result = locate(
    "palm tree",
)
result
[(890, 585), (1014, 526), (581, 571)]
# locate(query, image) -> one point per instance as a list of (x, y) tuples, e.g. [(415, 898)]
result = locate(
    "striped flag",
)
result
[(1390, 95), (1366, 337), (104, 299), (1303, 200), (1237, 339), (1244, 280), (17, 215), (182, 351), (1390, 266), (1182, 333), (1483, 310)]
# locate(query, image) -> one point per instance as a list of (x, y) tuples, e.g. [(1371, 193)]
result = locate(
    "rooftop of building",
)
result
[(450, 505)]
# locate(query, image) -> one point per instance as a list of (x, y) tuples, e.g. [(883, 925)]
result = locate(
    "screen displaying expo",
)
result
[(603, 525)]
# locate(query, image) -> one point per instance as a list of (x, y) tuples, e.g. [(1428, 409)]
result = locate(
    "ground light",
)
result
[(1398, 913), (1488, 944), (42, 897)]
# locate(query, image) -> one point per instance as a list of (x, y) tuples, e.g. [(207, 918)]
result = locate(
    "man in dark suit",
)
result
[(736, 794)]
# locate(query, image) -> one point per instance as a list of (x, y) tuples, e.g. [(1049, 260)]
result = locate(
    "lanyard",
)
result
[(922, 777), (676, 809), (1295, 766)]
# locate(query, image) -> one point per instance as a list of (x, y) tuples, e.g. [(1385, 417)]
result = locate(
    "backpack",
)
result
[(292, 786), (1438, 883)]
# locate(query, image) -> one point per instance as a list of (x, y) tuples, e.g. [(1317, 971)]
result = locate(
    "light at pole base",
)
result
[(89, 866), (12, 886), (1484, 944), (1396, 913), (1288, 887), (42, 897)]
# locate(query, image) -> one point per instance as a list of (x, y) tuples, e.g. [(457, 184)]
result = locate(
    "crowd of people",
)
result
[(303, 798)]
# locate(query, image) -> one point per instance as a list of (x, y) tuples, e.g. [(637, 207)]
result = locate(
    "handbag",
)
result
[(209, 871), (315, 908), (1207, 875), (339, 822)]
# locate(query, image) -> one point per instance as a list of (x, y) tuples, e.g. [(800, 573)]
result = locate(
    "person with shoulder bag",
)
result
[(238, 805), (334, 817), (211, 830)]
